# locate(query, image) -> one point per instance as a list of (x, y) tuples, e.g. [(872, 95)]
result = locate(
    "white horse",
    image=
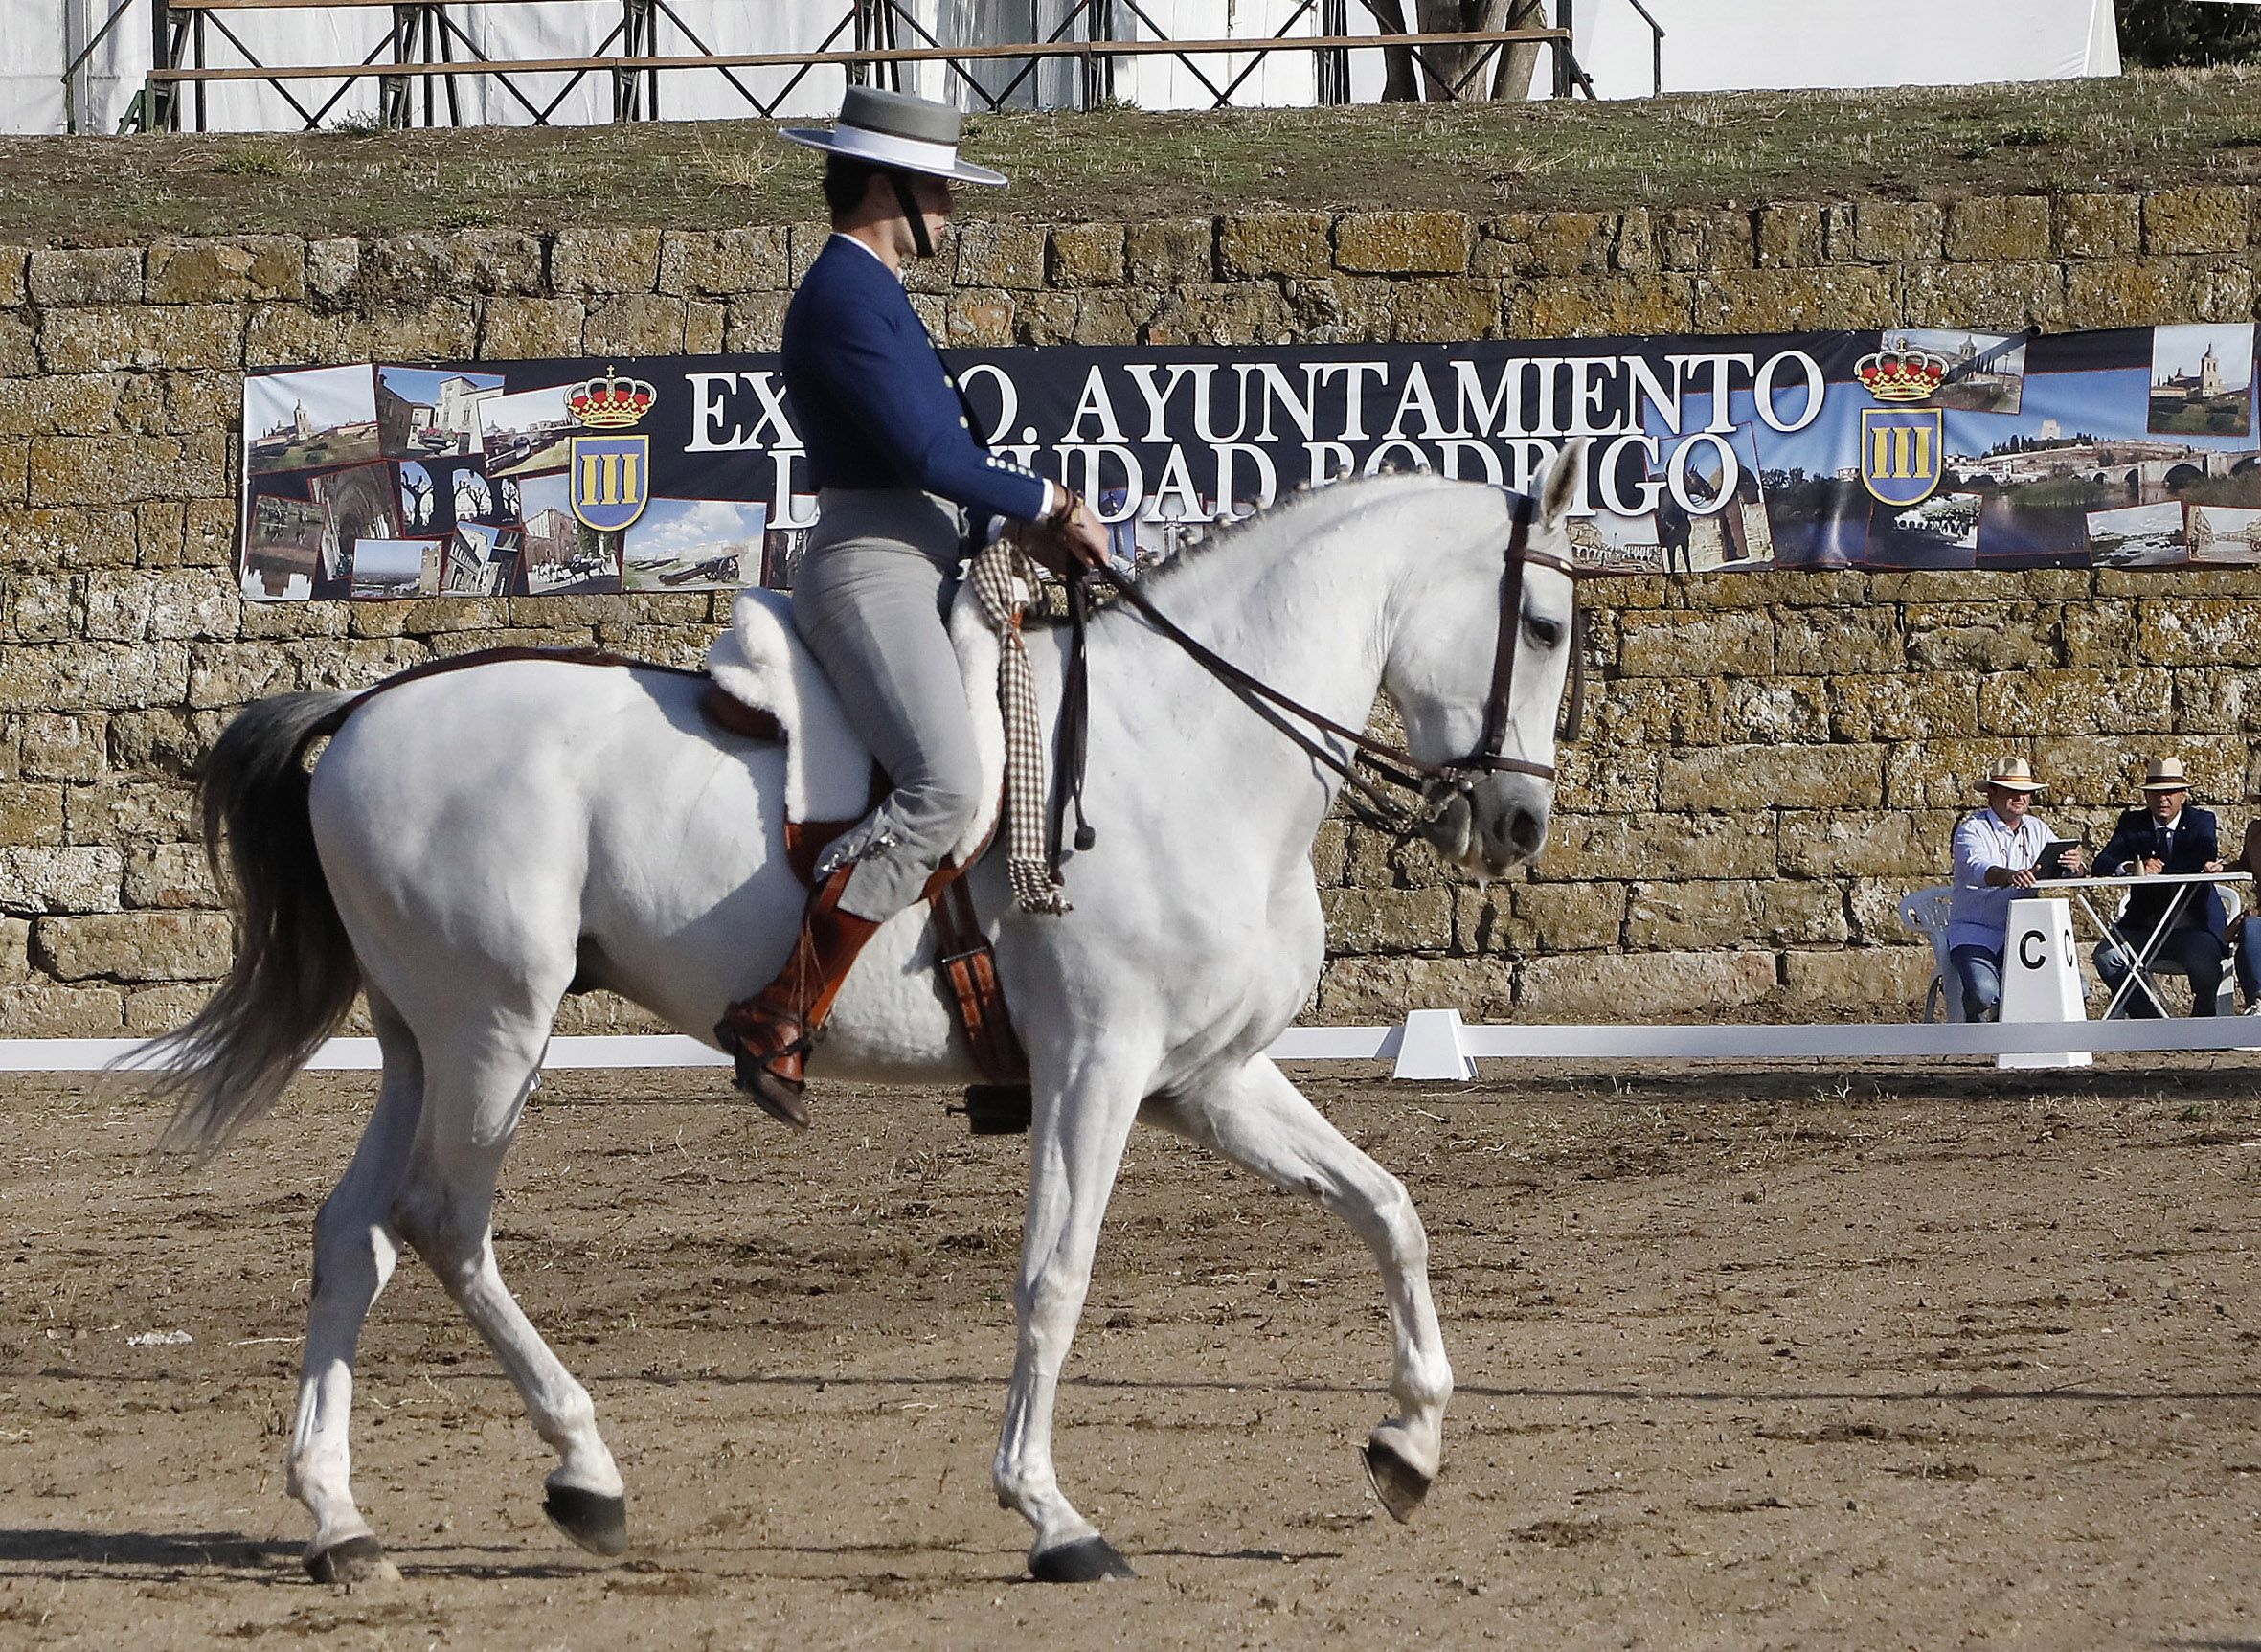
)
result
[(473, 846)]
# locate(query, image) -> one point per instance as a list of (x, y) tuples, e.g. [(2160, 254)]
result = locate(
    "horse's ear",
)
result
[(1565, 481)]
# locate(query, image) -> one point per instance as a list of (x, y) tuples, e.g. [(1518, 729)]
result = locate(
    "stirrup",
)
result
[(782, 1098)]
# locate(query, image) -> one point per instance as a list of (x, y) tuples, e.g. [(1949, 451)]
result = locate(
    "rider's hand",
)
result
[(1067, 538), (1085, 536)]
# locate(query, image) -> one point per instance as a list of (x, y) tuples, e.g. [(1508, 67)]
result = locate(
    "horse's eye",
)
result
[(1545, 633)]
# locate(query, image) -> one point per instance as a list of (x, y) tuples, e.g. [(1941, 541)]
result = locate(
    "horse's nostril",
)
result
[(1525, 830)]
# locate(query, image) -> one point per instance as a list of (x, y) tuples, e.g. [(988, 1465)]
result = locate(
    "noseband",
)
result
[(1434, 784)]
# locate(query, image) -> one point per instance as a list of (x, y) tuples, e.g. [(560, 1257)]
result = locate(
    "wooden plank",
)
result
[(1075, 49)]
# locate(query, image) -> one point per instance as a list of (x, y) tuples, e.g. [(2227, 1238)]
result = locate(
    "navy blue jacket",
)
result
[(872, 400), (2136, 838)]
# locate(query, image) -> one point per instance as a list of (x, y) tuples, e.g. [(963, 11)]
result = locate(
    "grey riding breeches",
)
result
[(870, 599)]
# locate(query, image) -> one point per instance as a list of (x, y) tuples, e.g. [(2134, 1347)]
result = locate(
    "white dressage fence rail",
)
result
[(1430, 1046)]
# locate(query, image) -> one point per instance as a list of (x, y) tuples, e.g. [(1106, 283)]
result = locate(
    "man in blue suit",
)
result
[(902, 483), (2166, 836)]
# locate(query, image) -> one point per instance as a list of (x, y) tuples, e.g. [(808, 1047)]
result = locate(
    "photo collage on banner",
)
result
[(380, 481), (1905, 448), (2134, 449)]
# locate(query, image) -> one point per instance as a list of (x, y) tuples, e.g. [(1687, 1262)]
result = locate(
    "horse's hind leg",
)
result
[(354, 1248), (1259, 1120), (478, 1083)]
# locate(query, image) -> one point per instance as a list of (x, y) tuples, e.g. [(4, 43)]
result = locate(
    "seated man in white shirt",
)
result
[(1997, 852)]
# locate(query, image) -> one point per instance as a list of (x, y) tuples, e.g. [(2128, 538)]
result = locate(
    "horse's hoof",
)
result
[(1092, 1560), (357, 1560), (1398, 1483), (598, 1523)]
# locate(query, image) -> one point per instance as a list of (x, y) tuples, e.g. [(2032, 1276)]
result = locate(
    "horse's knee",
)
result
[(1403, 1221), (1382, 1215)]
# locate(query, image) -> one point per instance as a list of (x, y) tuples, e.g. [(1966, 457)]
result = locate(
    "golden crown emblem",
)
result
[(610, 402), (1901, 374)]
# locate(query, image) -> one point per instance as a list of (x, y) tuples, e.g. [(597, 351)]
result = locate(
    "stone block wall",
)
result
[(1771, 760)]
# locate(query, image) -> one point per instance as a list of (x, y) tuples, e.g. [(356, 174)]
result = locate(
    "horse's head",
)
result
[(1450, 651)]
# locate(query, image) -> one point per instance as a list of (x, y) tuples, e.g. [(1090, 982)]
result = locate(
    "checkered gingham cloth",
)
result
[(1003, 576)]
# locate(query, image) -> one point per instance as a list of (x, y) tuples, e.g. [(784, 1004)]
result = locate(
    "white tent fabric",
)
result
[(1719, 45), (46, 34), (1710, 44)]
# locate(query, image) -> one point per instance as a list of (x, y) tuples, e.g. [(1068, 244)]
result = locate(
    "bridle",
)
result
[(1435, 785)]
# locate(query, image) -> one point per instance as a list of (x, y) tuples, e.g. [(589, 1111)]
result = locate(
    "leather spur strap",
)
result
[(969, 968)]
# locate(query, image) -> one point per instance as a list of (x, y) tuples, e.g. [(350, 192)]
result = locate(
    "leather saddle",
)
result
[(1003, 1104)]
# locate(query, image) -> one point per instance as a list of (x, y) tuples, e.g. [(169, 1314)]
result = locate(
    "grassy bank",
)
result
[(1708, 150)]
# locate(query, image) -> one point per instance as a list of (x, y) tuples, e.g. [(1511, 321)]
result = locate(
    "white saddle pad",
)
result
[(761, 661)]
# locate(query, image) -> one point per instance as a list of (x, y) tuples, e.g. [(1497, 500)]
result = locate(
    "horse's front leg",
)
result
[(1258, 1120), (1076, 1146)]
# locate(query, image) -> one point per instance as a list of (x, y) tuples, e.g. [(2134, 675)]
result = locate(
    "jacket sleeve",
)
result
[(2117, 853), (2206, 842), (909, 411)]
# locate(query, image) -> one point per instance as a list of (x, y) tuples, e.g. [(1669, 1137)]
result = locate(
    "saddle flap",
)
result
[(725, 710)]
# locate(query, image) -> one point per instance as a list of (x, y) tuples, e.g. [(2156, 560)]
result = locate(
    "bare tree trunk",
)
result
[(1398, 61), (1512, 83), (1450, 72)]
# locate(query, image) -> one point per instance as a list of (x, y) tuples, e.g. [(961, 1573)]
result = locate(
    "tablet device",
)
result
[(2050, 863)]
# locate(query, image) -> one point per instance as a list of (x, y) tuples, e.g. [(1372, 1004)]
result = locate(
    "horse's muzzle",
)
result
[(1491, 828)]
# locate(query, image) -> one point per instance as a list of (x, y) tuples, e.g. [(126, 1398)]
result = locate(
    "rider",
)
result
[(895, 460)]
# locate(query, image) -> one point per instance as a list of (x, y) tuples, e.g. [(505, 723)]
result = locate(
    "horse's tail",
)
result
[(295, 974)]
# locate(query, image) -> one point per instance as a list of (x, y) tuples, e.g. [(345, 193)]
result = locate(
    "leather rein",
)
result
[(1434, 784)]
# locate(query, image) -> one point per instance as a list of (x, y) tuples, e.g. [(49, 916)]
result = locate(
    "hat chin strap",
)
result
[(909, 202)]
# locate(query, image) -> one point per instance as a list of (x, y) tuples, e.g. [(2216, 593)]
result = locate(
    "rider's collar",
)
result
[(844, 236)]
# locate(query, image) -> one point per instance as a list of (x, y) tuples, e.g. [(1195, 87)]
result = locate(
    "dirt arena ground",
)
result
[(1894, 1359)]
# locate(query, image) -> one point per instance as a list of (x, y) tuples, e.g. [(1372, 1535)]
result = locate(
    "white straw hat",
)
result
[(2013, 775)]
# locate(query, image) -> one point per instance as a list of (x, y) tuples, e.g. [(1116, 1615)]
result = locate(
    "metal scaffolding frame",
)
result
[(425, 51)]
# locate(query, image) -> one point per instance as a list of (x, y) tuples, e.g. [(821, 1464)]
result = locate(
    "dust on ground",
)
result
[(1787, 1359)]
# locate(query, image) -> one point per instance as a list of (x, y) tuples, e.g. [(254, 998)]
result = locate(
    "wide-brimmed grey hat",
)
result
[(894, 129)]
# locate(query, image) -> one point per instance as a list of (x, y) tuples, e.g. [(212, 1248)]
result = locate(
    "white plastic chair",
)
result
[(1927, 911)]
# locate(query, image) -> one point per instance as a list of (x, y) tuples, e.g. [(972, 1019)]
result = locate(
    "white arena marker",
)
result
[(1431, 1049), (2040, 980)]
